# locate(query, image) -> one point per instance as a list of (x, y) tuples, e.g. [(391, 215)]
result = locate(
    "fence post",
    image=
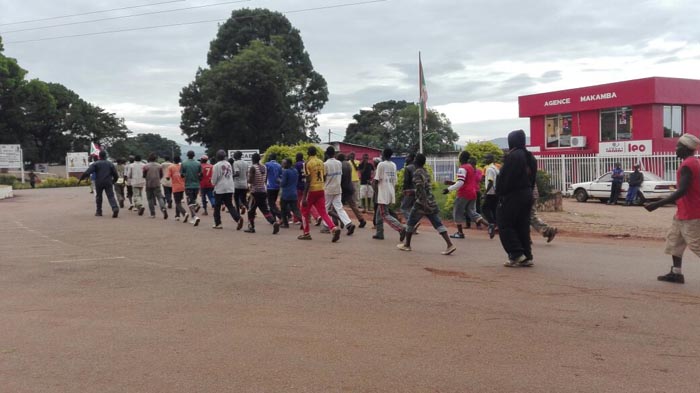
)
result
[(597, 166), (563, 175)]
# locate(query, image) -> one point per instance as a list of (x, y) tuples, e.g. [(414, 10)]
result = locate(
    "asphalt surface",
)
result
[(95, 304)]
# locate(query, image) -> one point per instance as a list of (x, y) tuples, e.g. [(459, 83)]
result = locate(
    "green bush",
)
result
[(54, 182), (290, 151), (399, 183), (479, 150), (7, 180), (17, 185), (543, 181)]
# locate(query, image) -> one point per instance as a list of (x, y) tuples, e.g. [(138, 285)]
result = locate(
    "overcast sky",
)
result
[(478, 56)]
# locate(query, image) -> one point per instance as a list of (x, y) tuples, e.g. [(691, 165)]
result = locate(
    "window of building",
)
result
[(558, 130), (673, 121), (616, 124)]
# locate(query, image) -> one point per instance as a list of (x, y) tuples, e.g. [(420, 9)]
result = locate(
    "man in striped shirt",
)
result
[(257, 177)]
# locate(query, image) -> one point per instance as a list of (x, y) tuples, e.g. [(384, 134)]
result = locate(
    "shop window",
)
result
[(616, 124), (558, 130), (673, 121)]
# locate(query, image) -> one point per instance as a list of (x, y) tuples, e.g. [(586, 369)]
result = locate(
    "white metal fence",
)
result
[(565, 170)]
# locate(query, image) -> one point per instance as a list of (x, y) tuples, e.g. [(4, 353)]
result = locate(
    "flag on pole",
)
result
[(94, 149), (423, 91)]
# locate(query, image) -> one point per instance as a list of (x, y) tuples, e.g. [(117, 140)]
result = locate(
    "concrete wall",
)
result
[(6, 192)]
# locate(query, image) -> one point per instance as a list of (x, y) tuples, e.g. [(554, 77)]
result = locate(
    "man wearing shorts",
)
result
[(685, 229)]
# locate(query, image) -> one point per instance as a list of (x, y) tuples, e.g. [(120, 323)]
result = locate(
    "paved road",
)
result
[(137, 305)]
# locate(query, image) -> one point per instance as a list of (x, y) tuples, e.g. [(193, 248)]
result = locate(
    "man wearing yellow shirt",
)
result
[(355, 176), (314, 196)]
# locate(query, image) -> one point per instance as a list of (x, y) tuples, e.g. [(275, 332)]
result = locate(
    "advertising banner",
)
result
[(77, 162), (247, 154), (621, 148), (10, 157)]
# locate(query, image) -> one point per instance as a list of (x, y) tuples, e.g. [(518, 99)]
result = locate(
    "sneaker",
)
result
[(305, 236), (492, 231), (362, 224), (378, 237), (152, 216), (165, 214), (184, 219), (415, 228), (325, 230), (351, 229), (457, 235), (121, 204), (275, 228), (131, 207), (249, 230), (240, 224), (285, 226), (550, 234), (217, 226), (196, 208), (336, 235), (141, 210), (403, 247), (115, 213), (170, 205), (449, 250), (672, 277), (515, 262), (402, 234), (177, 218), (528, 262), (195, 222), (318, 221), (98, 214)]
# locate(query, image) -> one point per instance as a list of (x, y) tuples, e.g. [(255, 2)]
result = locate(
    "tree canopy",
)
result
[(260, 87), (395, 124), (145, 144)]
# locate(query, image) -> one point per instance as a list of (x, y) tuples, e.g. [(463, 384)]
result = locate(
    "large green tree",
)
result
[(260, 87), (11, 81), (143, 145), (395, 124)]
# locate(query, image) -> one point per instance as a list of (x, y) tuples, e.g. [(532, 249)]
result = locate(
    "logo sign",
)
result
[(247, 154), (77, 162), (637, 148), (10, 157)]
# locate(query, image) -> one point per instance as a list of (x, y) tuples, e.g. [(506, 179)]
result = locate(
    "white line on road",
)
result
[(88, 259)]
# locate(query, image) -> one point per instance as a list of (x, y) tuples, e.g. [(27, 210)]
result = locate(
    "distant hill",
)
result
[(503, 142)]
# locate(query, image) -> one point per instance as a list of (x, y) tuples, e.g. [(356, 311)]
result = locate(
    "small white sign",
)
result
[(10, 157), (247, 154), (533, 149), (77, 162), (637, 148)]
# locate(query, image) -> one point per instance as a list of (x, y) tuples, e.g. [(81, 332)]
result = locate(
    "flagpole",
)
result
[(421, 109)]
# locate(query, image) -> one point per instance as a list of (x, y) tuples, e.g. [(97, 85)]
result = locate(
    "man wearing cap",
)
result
[(685, 229)]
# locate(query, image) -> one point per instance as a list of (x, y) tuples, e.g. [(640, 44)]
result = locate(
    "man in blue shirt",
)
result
[(289, 183), (274, 172), (618, 176)]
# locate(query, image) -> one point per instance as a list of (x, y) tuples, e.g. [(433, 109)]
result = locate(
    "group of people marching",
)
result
[(315, 192)]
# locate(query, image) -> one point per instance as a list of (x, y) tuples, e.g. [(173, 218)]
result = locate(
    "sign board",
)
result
[(10, 157), (533, 149), (621, 148), (77, 162), (42, 168), (247, 154)]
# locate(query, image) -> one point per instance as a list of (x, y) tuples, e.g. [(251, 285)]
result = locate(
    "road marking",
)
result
[(88, 259)]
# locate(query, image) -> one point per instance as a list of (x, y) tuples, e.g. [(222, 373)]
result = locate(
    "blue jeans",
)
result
[(415, 216), (207, 193), (632, 194)]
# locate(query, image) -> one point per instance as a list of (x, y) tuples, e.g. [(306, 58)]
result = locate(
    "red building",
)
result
[(639, 117), (346, 148)]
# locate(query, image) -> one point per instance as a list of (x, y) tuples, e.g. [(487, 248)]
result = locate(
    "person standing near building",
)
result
[(167, 183), (465, 203), (178, 189), (206, 188), (366, 169), (288, 198), (274, 172), (515, 184), (409, 192), (355, 176), (385, 183), (635, 182), (490, 198), (424, 206), (685, 228), (257, 176), (138, 182), (224, 187), (240, 181), (105, 176), (191, 172), (618, 176), (334, 191), (314, 196), (153, 173)]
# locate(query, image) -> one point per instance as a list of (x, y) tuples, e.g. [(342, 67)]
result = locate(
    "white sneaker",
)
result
[(217, 226), (184, 219), (195, 222)]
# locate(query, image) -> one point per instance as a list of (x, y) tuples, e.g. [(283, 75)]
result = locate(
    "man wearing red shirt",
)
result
[(465, 203), (206, 188), (685, 229)]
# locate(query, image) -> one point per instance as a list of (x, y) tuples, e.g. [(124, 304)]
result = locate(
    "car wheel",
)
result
[(581, 195)]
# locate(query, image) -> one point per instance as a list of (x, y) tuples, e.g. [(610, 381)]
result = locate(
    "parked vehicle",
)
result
[(653, 188)]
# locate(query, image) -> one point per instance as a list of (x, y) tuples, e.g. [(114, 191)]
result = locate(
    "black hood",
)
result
[(516, 139)]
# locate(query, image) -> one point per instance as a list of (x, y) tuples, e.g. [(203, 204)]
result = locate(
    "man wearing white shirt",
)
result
[(333, 189), (385, 183)]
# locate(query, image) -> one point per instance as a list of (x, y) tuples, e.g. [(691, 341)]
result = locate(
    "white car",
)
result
[(652, 188)]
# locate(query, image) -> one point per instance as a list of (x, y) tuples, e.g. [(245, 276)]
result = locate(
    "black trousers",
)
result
[(239, 196), (489, 208), (179, 210), (513, 217), (272, 203), (289, 206), (615, 192), (109, 191), (168, 194), (225, 200), (259, 201)]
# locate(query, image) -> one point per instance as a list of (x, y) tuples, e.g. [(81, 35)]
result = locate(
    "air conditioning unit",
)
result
[(578, 141)]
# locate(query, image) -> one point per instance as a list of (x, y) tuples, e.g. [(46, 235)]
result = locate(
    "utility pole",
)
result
[(329, 135)]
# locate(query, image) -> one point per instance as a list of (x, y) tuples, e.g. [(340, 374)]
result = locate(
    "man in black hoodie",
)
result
[(514, 189)]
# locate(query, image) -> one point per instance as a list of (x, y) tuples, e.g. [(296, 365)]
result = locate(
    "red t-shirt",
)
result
[(689, 204), (468, 190), (207, 171)]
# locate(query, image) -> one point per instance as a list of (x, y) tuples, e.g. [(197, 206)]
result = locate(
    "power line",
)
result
[(123, 16), (90, 13), (188, 23)]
